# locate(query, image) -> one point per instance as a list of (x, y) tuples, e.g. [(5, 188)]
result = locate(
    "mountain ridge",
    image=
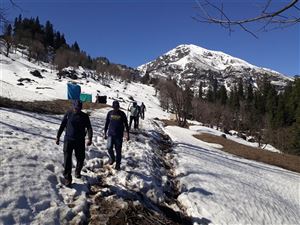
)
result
[(189, 62)]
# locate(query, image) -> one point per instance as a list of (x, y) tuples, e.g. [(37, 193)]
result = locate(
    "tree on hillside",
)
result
[(146, 78), (49, 34), (75, 47), (210, 94), (249, 92), (61, 59), (241, 89), (8, 39), (222, 95), (200, 90), (101, 70), (59, 40), (36, 50), (269, 16), (176, 99)]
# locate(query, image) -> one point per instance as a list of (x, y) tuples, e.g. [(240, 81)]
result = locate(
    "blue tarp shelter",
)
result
[(73, 91)]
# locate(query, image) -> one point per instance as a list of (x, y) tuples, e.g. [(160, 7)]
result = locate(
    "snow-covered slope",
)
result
[(225, 189), (49, 87), (215, 187), (194, 63), (32, 166)]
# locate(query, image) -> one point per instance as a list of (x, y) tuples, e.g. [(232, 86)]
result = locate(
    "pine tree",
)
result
[(250, 95), (259, 102), (234, 99), (200, 91), (296, 133), (8, 30), (240, 90), (214, 89), (222, 95), (49, 34), (37, 25), (16, 24), (57, 40), (188, 96), (280, 113), (210, 95), (63, 40), (271, 105), (75, 47)]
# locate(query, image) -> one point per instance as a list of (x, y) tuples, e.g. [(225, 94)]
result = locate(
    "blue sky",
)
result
[(134, 32)]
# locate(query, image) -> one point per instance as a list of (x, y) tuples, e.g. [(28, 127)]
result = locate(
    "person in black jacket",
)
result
[(142, 110), (76, 123), (116, 120)]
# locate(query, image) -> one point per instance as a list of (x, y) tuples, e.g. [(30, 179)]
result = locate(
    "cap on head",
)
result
[(77, 104), (116, 104)]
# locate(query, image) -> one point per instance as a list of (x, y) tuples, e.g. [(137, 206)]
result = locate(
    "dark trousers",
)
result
[(142, 115), (135, 120), (115, 142), (79, 147)]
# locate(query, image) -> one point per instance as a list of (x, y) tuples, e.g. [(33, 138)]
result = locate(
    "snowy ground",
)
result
[(31, 168), (226, 189), (215, 187)]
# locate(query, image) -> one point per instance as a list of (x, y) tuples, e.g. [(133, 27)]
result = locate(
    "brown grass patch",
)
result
[(59, 106), (286, 161)]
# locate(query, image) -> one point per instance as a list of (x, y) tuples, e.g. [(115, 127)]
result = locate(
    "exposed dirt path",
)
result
[(134, 207)]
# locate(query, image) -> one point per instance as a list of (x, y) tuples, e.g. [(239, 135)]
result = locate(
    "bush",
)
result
[(36, 73)]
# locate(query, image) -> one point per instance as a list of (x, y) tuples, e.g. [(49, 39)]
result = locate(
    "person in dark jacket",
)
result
[(142, 110), (76, 123), (116, 120)]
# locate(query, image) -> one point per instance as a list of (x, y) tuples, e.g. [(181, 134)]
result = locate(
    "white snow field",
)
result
[(226, 189), (215, 187)]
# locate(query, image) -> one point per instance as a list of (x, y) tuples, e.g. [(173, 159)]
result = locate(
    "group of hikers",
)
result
[(77, 123)]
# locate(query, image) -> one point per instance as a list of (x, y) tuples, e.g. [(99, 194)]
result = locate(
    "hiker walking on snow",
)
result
[(116, 120), (76, 123), (143, 109), (134, 115)]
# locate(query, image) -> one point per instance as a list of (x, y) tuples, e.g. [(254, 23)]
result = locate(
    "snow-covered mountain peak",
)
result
[(188, 62), (217, 59)]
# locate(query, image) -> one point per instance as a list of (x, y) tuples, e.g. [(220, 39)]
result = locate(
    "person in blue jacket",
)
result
[(116, 121), (76, 123)]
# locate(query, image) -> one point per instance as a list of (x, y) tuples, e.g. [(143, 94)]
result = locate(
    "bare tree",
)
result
[(37, 50), (270, 16), (177, 99), (8, 39), (61, 59), (3, 14)]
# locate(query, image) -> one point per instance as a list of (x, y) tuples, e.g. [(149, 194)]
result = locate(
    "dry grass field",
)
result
[(50, 107), (286, 161)]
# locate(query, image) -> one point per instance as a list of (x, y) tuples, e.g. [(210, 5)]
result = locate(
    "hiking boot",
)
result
[(77, 175), (117, 167), (68, 182), (111, 161)]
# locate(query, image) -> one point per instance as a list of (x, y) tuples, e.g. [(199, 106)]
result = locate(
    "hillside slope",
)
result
[(213, 187)]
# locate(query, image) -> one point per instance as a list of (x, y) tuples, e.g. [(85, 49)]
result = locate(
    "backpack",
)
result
[(134, 111)]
